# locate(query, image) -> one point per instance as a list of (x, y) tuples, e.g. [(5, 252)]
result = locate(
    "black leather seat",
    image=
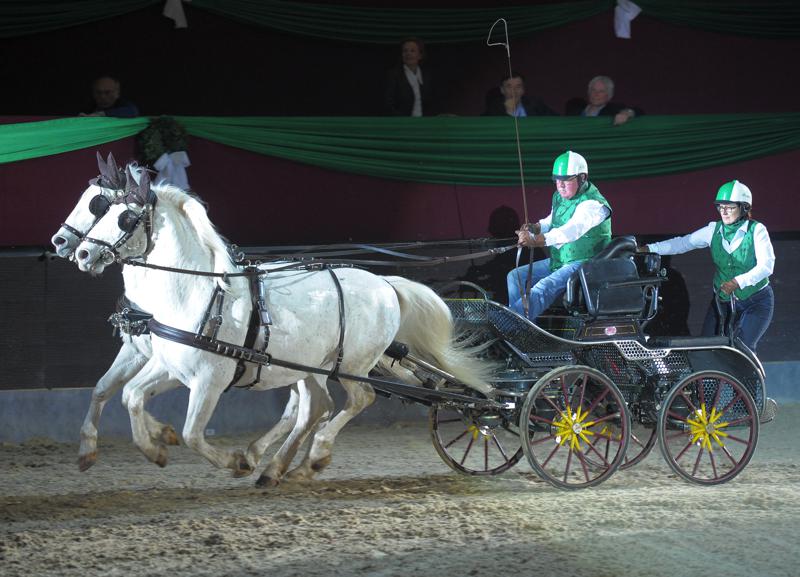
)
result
[(608, 284)]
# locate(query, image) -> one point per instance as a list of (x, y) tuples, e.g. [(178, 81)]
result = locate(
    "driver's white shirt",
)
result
[(588, 214)]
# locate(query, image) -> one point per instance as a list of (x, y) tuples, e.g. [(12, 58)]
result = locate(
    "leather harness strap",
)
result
[(426, 396)]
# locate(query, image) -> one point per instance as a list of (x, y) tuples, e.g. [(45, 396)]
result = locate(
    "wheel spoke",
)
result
[(703, 449), (584, 441), (457, 439)]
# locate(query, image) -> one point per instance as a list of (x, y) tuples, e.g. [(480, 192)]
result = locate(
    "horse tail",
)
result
[(426, 326)]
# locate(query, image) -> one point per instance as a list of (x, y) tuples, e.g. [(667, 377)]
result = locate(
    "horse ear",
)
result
[(144, 186), (113, 168), (101, 164), (131, 187)]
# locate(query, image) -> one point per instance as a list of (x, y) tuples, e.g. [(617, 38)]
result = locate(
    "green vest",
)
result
[(738, 262), (590, 243)]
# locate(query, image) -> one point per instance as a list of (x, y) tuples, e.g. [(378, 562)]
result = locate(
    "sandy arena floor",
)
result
[(389, 506)]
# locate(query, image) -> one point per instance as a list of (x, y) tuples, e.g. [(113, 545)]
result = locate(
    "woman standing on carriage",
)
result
[(743, 261)]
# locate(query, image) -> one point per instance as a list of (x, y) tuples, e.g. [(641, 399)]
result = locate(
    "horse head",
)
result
[(122, 225), (93, 203)]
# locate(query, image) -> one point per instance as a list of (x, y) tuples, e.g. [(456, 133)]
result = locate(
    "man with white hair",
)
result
[(598, 102)]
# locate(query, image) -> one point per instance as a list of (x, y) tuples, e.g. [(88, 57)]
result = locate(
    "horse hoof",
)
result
[(161, 460), (169, 436), (242, 468), (86, 461), (317, 466), (267, 481)]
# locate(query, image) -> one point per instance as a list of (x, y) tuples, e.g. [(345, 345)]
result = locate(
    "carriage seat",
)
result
[(608, 284)]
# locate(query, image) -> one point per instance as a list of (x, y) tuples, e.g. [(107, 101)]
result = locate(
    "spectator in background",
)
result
[(107, 99), (408, 90), (598, 103), (511, 99)]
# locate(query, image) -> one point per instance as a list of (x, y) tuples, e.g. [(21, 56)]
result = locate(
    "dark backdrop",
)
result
[(221, 67)]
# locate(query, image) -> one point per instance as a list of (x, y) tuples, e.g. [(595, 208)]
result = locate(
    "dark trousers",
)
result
[(753, 316)]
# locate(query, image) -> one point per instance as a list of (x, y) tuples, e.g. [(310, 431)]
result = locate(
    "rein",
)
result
[(302, 261)]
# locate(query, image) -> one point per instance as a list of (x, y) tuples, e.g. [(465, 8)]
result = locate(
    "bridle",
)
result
[(98, 206), (128, 222)]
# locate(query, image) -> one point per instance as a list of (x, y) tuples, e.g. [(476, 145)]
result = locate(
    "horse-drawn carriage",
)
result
[(581, 396), (599, 399)]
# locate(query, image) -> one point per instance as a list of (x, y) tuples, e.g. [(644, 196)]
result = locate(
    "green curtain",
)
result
[(22, 17), (381, 25), (769, 18), (766, 18), (34, 139), (451, 150)]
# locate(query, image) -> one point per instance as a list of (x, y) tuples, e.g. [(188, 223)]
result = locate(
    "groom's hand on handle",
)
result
[(729, 286)]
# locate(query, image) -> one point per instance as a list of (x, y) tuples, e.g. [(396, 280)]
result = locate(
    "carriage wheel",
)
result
[(708, 428), (575, 427), (643, 439), (474, 444)]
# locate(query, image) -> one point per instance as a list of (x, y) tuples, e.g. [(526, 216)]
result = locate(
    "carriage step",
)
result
[(770, 411)]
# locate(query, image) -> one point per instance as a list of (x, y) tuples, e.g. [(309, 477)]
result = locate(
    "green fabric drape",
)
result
[(768, 18), (34, 139), (381, 25), (451, 150), (22, 17)]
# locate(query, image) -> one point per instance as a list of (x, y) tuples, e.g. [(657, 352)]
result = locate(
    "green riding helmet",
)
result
[(568, 165), (735, 191)]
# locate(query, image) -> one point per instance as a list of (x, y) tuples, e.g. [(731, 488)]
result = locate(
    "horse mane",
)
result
[(191, 207)]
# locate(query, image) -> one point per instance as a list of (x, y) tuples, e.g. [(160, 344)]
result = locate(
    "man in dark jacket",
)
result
[(510, 99), (107, 99)]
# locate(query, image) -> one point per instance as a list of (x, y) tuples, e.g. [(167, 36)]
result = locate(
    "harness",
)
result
[(128, 319), (259, 319)]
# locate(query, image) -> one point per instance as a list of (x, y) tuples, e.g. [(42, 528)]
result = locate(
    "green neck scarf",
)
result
[(729, 230)]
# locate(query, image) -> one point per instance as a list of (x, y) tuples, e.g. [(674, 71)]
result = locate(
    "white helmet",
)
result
[(568, 165), (735, 191)]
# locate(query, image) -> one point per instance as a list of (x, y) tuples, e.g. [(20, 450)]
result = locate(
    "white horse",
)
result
[(136, 349), (133, 353), (169, 228)]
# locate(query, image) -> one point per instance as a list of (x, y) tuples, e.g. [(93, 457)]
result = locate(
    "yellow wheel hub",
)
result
[(706, 427), (478, 431), (572, 428)]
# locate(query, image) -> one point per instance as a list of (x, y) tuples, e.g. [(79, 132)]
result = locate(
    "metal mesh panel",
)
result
[(607, 359), (720, 395), (468, 310), (634, 351), (523, 334)]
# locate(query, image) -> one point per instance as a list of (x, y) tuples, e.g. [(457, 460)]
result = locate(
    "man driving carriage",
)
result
[(577, 228)]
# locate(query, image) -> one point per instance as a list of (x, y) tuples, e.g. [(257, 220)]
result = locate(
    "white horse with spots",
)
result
[(136, 349), (169, 228)]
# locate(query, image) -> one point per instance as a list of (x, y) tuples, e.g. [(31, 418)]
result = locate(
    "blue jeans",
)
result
[(546, 286), (753, 316)]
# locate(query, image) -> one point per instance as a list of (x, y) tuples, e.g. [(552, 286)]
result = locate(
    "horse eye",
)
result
[(99, 205), (128, 221)]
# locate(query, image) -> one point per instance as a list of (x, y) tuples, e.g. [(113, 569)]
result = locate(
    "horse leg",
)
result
[(285, 424), (359, 397), (127, 363), (150, 381), (203, 398), (314, 407)]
